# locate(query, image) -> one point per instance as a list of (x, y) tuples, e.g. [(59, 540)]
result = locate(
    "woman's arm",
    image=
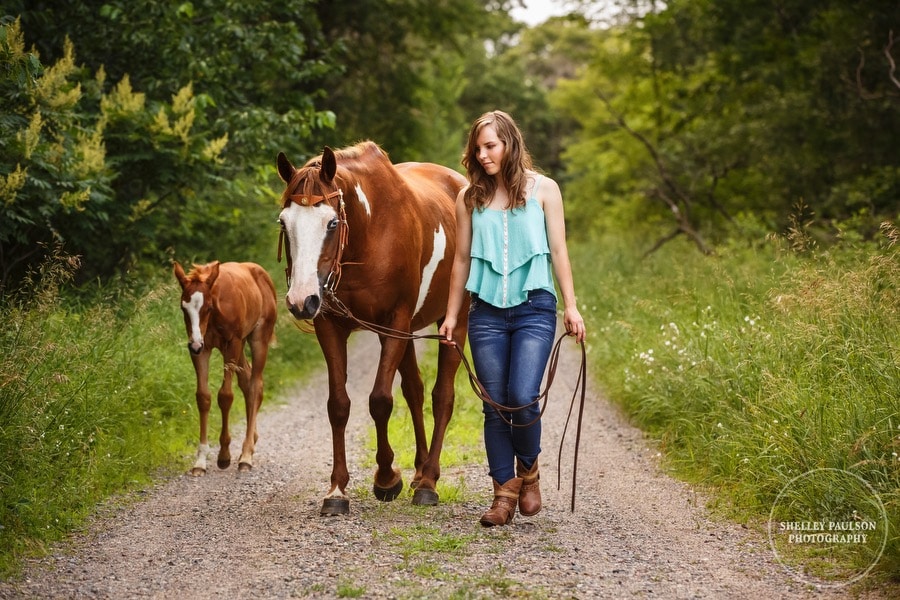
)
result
[(551, 200), (460, 272)]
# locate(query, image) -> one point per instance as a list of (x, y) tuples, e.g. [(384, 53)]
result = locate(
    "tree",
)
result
[(176, 123), (402, 72), (61, 186), (698, 112)]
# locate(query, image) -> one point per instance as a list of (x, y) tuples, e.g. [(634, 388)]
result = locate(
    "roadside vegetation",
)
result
[(771, 360)]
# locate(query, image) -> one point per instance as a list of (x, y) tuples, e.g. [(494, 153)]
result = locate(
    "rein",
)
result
[(481, 392)]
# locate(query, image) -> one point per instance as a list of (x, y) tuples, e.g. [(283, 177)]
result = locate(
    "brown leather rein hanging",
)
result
[(339, 308)]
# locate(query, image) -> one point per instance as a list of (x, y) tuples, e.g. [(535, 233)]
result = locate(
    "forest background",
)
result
[(731, 182)]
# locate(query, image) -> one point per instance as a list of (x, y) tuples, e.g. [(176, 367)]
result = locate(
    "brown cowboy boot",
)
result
[(530, 495), (503, 508)]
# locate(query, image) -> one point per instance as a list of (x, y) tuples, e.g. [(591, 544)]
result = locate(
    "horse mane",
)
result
[(199, 272), (360, 152), (357, 158)]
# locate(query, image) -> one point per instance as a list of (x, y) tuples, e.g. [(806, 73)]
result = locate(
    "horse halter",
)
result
[(343, 231)]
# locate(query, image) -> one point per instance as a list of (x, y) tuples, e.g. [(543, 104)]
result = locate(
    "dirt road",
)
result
[(635, 532)]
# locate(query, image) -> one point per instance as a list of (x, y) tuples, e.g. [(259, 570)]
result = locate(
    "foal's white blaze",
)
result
[(437, 254), (363, 199), (306, 228), (192, 309)]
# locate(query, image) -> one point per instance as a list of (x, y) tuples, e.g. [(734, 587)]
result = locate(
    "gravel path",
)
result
[(635, 532)]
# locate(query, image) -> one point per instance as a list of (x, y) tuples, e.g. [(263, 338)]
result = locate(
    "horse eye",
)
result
[(332, 224)]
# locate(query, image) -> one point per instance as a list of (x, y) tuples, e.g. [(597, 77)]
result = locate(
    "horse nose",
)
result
[(194, 347), (311, 305), (309, 310)]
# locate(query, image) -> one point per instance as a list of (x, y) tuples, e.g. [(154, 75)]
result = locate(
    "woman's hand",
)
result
[(446, 331), (574, 323)]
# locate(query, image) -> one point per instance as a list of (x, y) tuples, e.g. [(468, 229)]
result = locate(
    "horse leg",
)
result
[(204, 400), (253, 397), (388, 482), (333, 342), (443, 397), (234, 360), (414, 392)]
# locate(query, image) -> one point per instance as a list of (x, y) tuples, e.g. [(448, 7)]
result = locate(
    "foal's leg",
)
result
[(253, 397), (233, 358), (243, 376), (204, 400)]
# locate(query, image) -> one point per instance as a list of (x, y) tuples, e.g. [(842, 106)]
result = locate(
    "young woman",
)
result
[(511, 241)]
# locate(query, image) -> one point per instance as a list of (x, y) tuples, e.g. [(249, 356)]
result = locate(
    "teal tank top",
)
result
[(510, 254)]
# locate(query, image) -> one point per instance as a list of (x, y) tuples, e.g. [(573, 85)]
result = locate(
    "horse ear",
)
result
[(179, 273), (329, 164), (285, 168), (213, 273)]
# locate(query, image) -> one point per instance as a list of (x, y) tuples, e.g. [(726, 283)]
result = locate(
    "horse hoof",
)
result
[(244, 467), (332, 507), (388, 494), (198, 472), (223, 463), (425, 497)]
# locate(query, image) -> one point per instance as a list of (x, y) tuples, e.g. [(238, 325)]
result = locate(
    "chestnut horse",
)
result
[(372, 242), (226, 305)]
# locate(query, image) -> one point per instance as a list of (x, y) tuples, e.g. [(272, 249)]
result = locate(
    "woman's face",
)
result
[(489, 150)]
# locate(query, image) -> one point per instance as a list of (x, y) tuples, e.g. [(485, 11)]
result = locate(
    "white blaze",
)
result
[(437, 254), (305, 228), (192, 310)]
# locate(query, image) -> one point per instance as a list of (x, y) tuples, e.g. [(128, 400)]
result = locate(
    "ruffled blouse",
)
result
[(510, 254)]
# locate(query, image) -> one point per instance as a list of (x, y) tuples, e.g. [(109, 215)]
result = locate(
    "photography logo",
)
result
[(832, 517)]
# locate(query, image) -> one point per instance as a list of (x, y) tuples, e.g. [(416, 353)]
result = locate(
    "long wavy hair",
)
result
[(513, 168)]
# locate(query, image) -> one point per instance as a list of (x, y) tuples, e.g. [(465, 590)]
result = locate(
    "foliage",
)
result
[(124, 177), (697, 111), (758, 366), (256, 63), (402, 73), (516, 74)]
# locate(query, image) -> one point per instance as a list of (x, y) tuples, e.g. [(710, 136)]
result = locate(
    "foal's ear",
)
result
[(213, 273), (179, 273), (285, 168), (329, 165)]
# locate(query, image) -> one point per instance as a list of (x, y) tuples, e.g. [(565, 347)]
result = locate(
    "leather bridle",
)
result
[(343, 232)]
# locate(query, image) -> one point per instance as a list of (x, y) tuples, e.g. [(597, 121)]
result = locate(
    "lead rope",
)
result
[(341, 309)]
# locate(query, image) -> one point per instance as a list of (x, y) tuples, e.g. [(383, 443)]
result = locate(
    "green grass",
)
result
[(96, 401), (756, 366)]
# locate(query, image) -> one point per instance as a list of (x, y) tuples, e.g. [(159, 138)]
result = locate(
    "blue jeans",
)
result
[(510, 348)]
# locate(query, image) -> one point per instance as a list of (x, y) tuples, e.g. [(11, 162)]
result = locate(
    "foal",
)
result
[(224, 306)]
